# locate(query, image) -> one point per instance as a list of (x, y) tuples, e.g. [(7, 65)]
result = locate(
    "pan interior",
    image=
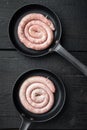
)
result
[(13, 26), (59, 96)]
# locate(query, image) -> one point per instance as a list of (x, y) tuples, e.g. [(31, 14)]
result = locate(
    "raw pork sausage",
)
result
[(35, 31), (37, 94)]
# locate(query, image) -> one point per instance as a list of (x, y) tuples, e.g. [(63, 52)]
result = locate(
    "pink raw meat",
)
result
[(37, 94), (35, 31)]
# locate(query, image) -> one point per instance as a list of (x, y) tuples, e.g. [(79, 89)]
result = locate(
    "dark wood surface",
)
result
[(73, 16)]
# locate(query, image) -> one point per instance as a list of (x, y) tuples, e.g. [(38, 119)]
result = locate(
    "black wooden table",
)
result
[(73, 15)]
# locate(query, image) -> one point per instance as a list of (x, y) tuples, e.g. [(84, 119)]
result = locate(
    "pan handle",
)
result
[(80, 66), (25, 124)]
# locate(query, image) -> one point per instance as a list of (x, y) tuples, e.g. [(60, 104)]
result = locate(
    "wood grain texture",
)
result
[(73, 16), (74, 114)]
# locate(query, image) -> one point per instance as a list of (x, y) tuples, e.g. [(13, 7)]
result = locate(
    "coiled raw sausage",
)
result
[(35, 31), (37, 94)]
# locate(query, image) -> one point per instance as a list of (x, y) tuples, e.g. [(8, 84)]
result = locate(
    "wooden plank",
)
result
[(72, 14), (12, 60), (74, 114), (73, 17)]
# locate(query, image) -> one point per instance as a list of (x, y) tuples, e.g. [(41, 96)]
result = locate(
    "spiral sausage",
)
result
[(37, 94), (35, 31)]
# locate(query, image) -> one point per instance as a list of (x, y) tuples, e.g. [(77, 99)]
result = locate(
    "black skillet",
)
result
[(55, 47), (60, 95)]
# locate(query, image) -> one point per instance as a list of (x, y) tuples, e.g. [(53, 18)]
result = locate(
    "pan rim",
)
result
[(22, 115), (50, 49)]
